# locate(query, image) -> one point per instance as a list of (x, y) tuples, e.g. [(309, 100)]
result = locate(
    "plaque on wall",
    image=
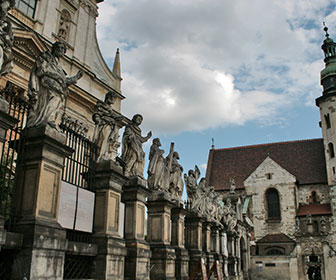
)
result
[(85, 209), (67, 206)]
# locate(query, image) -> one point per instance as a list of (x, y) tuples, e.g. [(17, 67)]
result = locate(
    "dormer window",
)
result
[(27, 7)]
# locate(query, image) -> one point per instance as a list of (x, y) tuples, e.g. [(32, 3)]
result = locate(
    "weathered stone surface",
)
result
[(132, 151)]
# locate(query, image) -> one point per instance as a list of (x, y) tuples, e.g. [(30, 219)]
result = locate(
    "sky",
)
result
[(241, 72)]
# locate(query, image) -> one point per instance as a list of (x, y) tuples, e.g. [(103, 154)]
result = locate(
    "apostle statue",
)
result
[(106, 131), (132, 152), (6, 37), (232, 186), (157, 170), (175, 181), (48, 87)]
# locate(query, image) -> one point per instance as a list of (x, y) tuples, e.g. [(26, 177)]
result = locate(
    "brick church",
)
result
[(289, 193)]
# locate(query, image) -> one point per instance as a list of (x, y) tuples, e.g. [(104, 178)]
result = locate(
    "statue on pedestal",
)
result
[(6, 38), (176, 182), (230, 216), (48, 87), (157, 170), (106, 130), (232, 186), (132, 152)]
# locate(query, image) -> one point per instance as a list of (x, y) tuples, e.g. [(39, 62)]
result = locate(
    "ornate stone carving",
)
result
[(106, 133), (192, 186), (6, 37), (48, 87), (74, 124), (230, 217), (165, 174), (64, 25), (232, 186), (132, 152)]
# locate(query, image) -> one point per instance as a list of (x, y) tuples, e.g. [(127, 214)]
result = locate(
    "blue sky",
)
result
[(242, 72)]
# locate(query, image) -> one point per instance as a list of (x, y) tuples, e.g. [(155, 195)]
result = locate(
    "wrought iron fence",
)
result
[(78, 267), (10, 149), (79, 168)]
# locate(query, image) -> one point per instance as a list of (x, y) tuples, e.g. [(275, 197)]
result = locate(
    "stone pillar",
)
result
[(159, 237), (6, 122), (36, 203), (178, 242), (232, 255), (137, 265), (111, 247), (206, 234), (194, 225), (215, 243), (224, 252)]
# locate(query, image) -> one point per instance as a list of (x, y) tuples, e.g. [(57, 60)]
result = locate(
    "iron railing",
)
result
[(10, 149), (78, 267)]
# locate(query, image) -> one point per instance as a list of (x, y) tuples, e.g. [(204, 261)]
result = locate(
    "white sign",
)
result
[(76, 208), (67, 206)]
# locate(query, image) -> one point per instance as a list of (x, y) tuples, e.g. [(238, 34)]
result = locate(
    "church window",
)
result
[(327, 120), (331, 150), (275, 252), (27, 7), (314, 198), (273, 204)]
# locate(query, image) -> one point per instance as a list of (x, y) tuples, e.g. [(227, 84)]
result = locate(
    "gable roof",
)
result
[(304, 159), (278, 238)]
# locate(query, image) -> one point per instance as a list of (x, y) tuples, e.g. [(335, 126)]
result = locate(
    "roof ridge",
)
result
[(269, 144)]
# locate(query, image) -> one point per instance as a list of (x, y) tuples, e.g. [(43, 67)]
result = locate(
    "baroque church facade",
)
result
[(288, 190)]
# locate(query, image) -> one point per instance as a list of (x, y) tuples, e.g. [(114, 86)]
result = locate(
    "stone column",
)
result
[(224, 252), (137, 265), (6, 122), (178, 242), (108, 184), (36, 202), (215, 243), (206, 233), (194, 225), (232, 255), (159, 237)]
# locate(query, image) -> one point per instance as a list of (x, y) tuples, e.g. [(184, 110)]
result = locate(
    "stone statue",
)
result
[(232, 186), (48, 87), (323, 225), (230, 216), (6, 38), (176, 182), (132, 152), (191, 185), (309, 219), (106, 130), (158, 174)]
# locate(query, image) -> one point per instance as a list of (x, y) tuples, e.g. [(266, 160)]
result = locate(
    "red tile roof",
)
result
[(314, 209), (304, 159), (279, 237)]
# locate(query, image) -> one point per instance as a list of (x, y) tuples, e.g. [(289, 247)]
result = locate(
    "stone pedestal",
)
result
[(224, 252), (36, 203), (194, 225), (137, 265), (159, 237), (111, 247), (178, 242), (232, 260)]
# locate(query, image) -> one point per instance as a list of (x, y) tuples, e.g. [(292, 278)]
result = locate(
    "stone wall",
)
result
[(270, 267), (304, 193)]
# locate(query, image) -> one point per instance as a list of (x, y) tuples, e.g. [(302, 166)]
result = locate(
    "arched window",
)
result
[(331, 150), (273, 204), (275, 252)]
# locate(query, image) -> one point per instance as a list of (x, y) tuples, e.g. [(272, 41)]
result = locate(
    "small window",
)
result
[(274, 252), (314, 198), (27, 7), (269, 176), (331, 150), (327, 120), (273, 204), (316, 227)]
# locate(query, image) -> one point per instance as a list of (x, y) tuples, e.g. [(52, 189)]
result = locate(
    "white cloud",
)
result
[(191, 65)]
